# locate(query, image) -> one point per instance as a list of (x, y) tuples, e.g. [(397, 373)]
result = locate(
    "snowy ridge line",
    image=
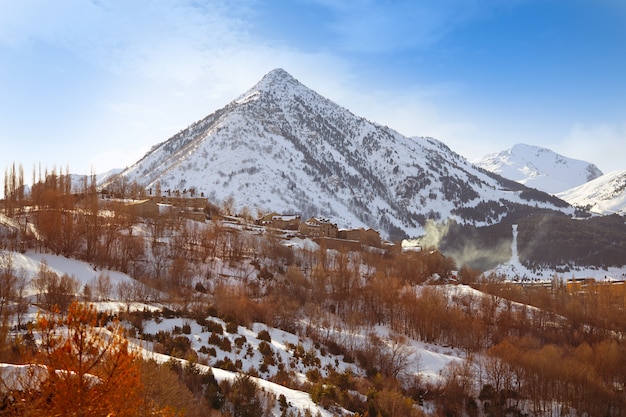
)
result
[(283, 147), (298, 399), (604, 195), (539, 168)]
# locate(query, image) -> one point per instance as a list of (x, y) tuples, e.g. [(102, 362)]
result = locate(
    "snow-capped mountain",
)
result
[(104, 176), (603, 195), (79, 182), (283, 147), (539, 168)]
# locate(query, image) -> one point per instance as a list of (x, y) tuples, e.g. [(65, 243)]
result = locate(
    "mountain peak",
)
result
[(274, 79), (283, 147), (524, 149), (540, 168), (277, 81), (278, 73)]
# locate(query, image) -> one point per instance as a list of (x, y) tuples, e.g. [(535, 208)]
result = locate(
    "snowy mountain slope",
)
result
[(603, 195), (515, 271), (283, 147), (426, 360), (539, 168), (104, 176), (30, 263)]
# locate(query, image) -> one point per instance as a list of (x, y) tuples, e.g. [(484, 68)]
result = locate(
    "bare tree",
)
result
[(21, 302), (398, 357), (228, 205), (102, 286), (8, 283), (7, 294), (54, 290), (389, 358), (126, 293)]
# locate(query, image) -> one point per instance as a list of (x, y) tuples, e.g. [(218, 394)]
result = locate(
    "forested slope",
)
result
[(362, 314)]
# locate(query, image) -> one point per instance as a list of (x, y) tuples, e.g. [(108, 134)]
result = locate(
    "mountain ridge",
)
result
[(539, 168), (603, 195), (281, 146)]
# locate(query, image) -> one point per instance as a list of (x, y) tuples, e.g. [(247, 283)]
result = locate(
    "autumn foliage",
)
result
[(526, 347), (90, 370)]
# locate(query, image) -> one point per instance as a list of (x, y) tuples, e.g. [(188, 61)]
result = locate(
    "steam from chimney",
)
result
[(435, 232)]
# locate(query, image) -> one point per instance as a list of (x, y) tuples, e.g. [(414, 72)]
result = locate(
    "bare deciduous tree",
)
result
[(102, 286)]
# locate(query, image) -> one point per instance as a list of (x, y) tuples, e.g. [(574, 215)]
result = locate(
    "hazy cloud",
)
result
[(604, 138), (379, 26), (165, 39), (127, 75)]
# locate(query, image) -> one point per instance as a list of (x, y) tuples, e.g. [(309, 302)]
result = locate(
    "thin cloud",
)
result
[(166, 63), (148, 70), (181, 42), (603, 152), (153, 39), (375, 26)]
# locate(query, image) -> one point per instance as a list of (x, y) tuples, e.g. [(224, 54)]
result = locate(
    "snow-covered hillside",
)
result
[(424, 360), (514, 270), (603, 195), (539, 168), (283, 147)]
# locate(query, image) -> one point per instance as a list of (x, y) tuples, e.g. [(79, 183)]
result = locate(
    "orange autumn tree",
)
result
[(91, 371)]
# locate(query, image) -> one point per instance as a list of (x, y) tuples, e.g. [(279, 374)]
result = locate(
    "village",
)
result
[(327, 234), (196, 250), (319, 229)]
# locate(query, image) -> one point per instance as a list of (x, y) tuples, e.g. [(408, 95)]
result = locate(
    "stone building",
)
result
[(318, 227), (280, 221)]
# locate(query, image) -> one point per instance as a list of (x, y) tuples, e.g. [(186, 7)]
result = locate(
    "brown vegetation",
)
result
[(89, 370), (526, 348)]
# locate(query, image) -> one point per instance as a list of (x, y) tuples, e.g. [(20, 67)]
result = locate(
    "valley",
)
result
[(221, 306), (285, 257)]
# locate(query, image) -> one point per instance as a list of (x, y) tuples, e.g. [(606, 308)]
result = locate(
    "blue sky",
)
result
[(92, 85)]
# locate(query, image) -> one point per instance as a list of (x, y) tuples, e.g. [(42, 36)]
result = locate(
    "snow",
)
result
[(8, 222), (411, 245), (248, 98), (297, 399), (30, 263), (282, 147), (539, 168), (514, 270), (604, 195), (427, 361), (29, 376), (20, 377)]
